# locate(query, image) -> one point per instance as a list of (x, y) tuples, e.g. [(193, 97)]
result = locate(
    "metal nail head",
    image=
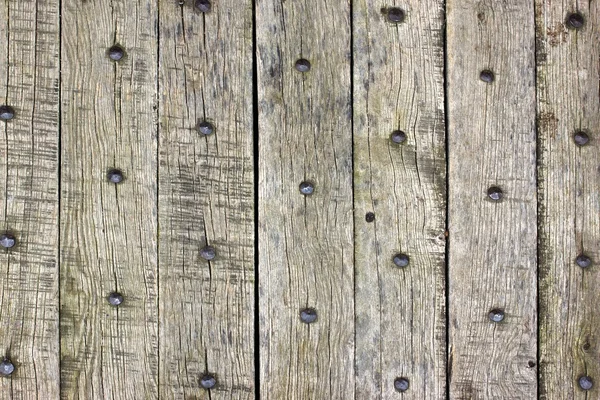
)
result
[(308, 315), (401, 384)]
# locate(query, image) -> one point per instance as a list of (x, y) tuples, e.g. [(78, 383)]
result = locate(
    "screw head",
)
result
[(115, 299), (206, 128), (583, 261), (208, 253), (114, 175), (398, 137), (116, 53), (401, 384), (6, 367), (370, 217), (208, 381), (302, 65), (401, 260), (487, 76), (581, 138), (395, 15), (307, 188), (7, 240), (575, 21), (7, 112), (586, 383), (308, 315), (203, 5), (495, 193), (496, 315)]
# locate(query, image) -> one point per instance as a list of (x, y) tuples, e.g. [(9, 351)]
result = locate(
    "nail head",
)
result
[(208, 381), (487, 76), (370, 217), (398, 137), (581, 138), (7, 112), (495, 193), (303, 65), (401, 260), (496, 315), (575, 21), (6, 367), (116, 53), (7, 240), (308, 315), (583, 261), (206, 128), (401, 384), (307, 188), (114, 175), (203, 5), (586, 383), (208, 253), (115, 299), (395, 15)]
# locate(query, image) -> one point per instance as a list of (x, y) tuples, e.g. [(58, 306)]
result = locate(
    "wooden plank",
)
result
[(108, 230), (29, 69), (206, 198), (305, 242), (568, 102), (400, 311), (492, 244)]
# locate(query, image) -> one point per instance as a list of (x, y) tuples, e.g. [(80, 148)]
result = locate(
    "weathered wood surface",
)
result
[(29, 71), (206, 198), (568, 101), (492, 244), (305, 242), (400, 311), (109, 231)]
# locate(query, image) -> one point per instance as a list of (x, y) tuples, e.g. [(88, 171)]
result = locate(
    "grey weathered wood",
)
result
[(305, 243), (400, 312), (29, 69), (492, 245), (568, 101), (108, 231), (206, 197)]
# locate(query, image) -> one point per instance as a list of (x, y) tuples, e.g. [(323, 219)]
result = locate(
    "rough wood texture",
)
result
[(29, 68), (400, 312), (492, 253), (568, 101), (108, 231), (206, 197), (305, 243)]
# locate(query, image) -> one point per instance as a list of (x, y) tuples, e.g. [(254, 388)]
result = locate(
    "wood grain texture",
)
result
[(492, 245), (206, 197), (108, 231), (29, 69), (400, 312), (569, 219), (305, 243)]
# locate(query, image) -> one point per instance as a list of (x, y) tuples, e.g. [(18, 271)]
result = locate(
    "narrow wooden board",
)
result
[(569, 220), (206, 197), (305, 242), (108, 231), (492, 244), (29, 70), (400, 312)]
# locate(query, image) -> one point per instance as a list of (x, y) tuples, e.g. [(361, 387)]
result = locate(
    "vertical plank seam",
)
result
[(537, 202), (255, 158), (59, 195), (157, 109), (447, 205), (354, 213)]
